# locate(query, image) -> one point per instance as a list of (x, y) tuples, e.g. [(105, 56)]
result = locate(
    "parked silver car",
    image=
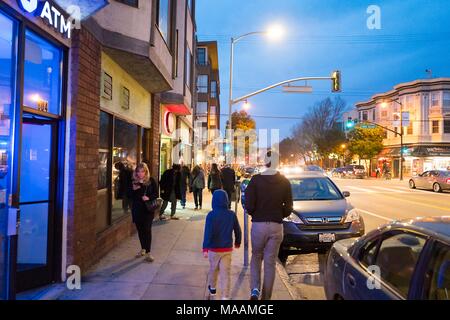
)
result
[(436, 180)]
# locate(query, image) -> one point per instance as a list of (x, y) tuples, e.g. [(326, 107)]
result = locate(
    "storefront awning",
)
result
[(178, 109), (418, 151)]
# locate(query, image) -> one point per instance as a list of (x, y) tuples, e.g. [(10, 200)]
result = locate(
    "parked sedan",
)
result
[(436, 180), (337, 172), (321, 216), (401, 260), (355, 171)]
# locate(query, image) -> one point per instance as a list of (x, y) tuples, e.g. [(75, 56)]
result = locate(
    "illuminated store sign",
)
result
[(49, 13)]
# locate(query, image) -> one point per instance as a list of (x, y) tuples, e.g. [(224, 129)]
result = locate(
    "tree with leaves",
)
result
[(243, 125), (366, 143)]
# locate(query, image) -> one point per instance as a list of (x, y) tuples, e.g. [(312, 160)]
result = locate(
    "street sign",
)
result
[(297, 89), (368, 126)]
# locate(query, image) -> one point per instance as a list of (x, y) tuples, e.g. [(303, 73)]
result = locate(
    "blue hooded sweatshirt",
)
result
[(220, 224)]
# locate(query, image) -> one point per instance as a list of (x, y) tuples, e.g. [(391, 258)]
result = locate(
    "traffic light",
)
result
[(336, 77), (350, 124)]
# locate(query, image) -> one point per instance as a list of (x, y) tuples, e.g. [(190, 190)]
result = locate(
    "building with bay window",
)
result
[(426, 124)]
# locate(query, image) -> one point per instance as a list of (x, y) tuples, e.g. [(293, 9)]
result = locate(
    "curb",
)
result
[(285, 279)]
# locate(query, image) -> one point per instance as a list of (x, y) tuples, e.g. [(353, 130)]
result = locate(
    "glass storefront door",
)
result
[(37, 203), (8, 32)]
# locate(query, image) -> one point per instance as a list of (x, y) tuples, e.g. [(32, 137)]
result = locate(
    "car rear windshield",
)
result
[(312, 188)]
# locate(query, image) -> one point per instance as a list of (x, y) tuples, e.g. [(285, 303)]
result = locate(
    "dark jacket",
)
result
[(170, 181), (198, 180), (220, 225), (139, 211), (185, 178), (215, 181), (228, 178), (268, 198)]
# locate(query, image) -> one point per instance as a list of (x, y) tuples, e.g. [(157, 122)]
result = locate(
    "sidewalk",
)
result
[(179, 271)]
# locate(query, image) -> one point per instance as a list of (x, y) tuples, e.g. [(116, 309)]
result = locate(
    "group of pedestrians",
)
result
[(268, 200)]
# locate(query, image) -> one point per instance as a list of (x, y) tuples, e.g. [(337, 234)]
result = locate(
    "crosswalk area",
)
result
[(386, 190)]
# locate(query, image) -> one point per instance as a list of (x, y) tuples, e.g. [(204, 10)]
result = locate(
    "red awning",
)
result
[(178, 109)]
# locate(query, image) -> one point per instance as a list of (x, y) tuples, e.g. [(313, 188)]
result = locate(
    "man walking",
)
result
[(170, 186), (228, 181), (268, 199)]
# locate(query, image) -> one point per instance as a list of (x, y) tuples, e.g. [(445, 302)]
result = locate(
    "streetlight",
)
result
[(274, 32), (384, 105), (246, 106)]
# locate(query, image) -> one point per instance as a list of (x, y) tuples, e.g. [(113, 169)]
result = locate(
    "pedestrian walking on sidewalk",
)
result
[(185, 180), (268, 199), (214, 178), (143, 190), (170, 186), (197, 186), (218, 242), (228, 181)]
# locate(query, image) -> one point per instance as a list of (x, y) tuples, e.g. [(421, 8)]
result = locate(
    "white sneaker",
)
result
[(140, 254), (149, 257)]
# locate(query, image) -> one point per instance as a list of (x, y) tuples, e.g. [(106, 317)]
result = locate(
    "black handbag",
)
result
[(151, 205)]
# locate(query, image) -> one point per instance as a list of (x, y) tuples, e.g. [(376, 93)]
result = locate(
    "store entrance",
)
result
[(35, 258)]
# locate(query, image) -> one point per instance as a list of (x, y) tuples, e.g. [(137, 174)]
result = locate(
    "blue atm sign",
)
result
[(46, 11)]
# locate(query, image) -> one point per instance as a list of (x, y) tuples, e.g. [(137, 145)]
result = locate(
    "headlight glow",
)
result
[(293, 218), (352, 215)]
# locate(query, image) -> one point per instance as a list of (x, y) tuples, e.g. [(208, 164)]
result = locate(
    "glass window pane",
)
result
[(7, 93), (397, 259), (35, 162), (188, 66), (202, 108), (125, 153), (32, 247), (163, 21), (42, 74), (439, 273)]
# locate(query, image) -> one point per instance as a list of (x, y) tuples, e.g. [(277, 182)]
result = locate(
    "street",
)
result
[(379, 201)]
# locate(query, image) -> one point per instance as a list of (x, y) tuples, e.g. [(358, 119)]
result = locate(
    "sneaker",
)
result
[(212, 291), (255, 294), (174, 218), (140, 254), (196, 208), (149, 257)]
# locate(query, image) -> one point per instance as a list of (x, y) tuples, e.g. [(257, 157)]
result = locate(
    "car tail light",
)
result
[(448, 181)]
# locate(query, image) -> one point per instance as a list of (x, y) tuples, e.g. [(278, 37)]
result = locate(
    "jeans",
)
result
[(183, 198), (173, 204), (220, 264), (198, 197), (144, 229), (266, 241), (229, 193)]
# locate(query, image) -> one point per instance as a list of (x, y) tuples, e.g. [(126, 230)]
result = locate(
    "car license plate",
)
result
[(327, 237)]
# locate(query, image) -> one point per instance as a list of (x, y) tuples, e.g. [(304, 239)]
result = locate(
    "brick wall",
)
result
[(83, 157), (155, 135)]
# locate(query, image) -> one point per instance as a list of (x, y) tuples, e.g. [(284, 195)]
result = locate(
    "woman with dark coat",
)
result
[(197, 186), (143, 189), (214, 178)]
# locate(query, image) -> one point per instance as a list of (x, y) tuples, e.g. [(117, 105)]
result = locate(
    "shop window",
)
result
[(104, 170), (202, 83), (42, 74), (435, 126), (125, 157), (446, 126)]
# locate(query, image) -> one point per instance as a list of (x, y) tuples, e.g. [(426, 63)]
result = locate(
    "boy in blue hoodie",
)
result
[(218, 242)]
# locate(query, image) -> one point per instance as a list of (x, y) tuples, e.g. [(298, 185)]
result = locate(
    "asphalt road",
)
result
[(379, 201)]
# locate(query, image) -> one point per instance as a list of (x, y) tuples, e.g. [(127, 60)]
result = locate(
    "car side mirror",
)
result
[(346, 194)]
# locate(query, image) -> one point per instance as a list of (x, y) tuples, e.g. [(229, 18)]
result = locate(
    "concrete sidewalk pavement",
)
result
[(179, 271)]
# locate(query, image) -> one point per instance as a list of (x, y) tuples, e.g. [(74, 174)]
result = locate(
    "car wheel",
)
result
[(437, 187), (412, 185)]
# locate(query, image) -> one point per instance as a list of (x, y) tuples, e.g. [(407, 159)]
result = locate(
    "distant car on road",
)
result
[(355, 171), (436, 180), (402, 260), (321, 216), (338, 172)]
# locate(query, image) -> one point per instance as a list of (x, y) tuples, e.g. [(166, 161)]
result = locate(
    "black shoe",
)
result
[(212, 291)]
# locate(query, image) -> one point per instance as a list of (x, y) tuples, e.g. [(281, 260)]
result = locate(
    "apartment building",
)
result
[(207, 112), (425, 105)]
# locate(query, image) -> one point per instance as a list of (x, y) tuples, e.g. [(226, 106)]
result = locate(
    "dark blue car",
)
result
[(401, 260)]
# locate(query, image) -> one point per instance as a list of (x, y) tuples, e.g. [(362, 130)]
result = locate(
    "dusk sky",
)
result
[(322, 36)]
